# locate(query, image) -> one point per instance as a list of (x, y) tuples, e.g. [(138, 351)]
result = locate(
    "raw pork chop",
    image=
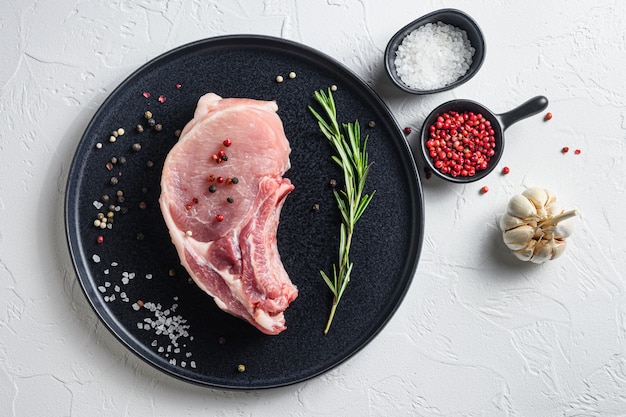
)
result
[(222, 191)]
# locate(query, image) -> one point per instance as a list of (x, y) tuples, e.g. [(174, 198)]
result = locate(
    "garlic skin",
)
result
[(535, 226)]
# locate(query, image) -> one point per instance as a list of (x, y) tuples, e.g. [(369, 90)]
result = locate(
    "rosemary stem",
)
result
[(332, 315), (352, 157)]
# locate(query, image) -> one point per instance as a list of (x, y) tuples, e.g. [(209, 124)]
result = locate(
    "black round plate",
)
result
[(130, 271)]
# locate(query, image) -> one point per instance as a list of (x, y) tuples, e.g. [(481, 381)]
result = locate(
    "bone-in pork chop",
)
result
[(222, 191)]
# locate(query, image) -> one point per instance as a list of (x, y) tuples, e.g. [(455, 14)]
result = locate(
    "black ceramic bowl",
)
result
[(452, 17), (499, 123)]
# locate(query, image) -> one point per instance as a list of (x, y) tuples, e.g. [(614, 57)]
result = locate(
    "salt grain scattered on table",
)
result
[(433, 56)]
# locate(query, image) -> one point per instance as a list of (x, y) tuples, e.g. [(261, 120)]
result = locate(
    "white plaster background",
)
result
[(479, 334)]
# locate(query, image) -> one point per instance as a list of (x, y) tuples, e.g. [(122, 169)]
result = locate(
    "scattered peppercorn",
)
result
[(371, 123), (227, 142), (548, 116), (333, 87), (143, 205), (407, 130), (279, 78), (139, 128), (225, 158), (577, 151), (148, 114), (149, 164), (234, 180), (315, 207), (162, 99), (100, 239), (112, 139), (212, 189), (484, 189), (506, 170), (113, 180), (292, 75), (221, 340), (177, 132), (120, 131), (109, 166), (241, 368), (565, 149), (230, 200), (158, 127), (220, 180), (136, 147), (171, 272), (98, 145), (151, 122), (105, 198), (332, 183), (140, 236), (219, 217)]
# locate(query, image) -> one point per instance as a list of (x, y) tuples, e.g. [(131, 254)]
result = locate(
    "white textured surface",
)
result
[(479, 333)]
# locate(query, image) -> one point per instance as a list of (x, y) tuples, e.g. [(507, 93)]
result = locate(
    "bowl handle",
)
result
[(527, 109)]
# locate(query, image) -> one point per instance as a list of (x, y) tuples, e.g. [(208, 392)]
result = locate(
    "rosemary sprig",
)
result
[(351, 155)]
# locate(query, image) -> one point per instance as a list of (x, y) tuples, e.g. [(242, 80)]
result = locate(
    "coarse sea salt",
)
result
[(433, 56)]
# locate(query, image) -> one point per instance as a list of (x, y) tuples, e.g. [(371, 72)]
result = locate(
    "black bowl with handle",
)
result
[(499, 123)]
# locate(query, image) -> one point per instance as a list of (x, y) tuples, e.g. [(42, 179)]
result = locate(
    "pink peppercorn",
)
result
[(461, 144)]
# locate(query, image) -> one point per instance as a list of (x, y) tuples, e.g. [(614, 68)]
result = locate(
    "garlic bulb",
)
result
[(535, 226)]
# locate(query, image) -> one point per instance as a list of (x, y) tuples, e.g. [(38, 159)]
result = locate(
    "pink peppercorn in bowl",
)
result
[(435, 53), (462, 140)]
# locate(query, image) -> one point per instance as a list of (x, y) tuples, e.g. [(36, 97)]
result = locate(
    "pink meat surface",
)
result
[(235, 259)]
